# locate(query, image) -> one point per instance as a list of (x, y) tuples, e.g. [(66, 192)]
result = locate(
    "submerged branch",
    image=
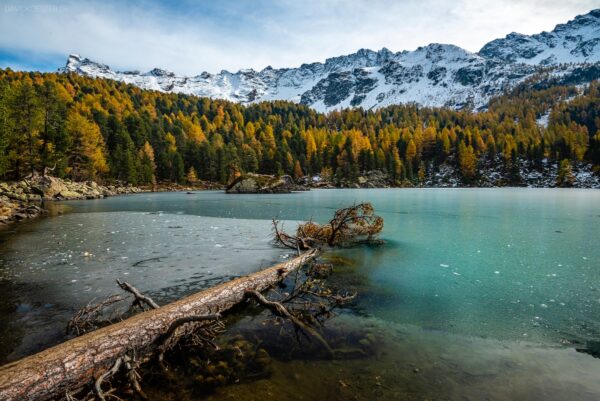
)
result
[(281, 310), (91, 316), (105, 376)]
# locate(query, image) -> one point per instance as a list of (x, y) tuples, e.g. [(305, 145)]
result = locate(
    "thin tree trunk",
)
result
[(30, 138), (77, 362)]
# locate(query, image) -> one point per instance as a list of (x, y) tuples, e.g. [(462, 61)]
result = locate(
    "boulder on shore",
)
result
[(16, 210), (374, 179), (261, 184), (45, 186)]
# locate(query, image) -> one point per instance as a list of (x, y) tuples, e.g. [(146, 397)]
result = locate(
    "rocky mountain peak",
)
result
[(436, 75), (577, 41), (158, 72), (76, 63)]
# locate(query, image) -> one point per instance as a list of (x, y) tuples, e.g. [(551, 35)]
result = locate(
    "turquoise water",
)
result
[(486, 292)]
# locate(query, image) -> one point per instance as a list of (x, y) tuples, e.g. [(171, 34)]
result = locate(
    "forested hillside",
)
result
[(86, 128)]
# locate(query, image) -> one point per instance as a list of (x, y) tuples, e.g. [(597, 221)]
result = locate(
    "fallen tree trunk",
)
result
[(78, 362)]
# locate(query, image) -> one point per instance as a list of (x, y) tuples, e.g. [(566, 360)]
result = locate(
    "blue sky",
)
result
[(189, 37)]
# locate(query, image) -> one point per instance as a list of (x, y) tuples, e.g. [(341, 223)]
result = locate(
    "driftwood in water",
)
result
[(80, 361), (350, 225)]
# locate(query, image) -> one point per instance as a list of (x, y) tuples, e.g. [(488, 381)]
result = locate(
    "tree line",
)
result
[(86, 128)]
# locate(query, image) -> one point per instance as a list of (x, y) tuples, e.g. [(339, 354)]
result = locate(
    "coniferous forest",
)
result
[(85, 128)]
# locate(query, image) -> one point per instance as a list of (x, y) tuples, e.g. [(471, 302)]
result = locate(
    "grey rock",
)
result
[(261, 184)]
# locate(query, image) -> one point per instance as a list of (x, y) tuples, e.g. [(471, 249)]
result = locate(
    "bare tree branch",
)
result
[(281, 310), (139, 297)]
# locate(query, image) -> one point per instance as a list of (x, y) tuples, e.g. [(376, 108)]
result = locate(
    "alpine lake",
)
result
[(475, 294)]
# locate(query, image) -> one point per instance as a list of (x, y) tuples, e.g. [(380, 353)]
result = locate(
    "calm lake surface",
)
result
[(477, 293)]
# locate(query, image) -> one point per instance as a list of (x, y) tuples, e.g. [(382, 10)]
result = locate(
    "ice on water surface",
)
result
[(157, 251), (73, 259), (445, 267)]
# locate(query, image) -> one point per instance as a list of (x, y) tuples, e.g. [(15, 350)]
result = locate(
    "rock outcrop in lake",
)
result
[(23, 199), (262, 184)]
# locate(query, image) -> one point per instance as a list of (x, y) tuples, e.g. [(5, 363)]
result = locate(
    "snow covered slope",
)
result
[(434, 75), (577, 41)]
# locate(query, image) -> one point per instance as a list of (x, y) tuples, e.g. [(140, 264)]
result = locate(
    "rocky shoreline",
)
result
[(24, 199), (491, 174)]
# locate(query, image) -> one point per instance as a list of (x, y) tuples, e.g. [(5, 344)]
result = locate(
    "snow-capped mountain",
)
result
[(433, 75), (577, 41)]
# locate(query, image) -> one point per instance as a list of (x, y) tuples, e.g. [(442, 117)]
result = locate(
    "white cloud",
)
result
[(232, 35)]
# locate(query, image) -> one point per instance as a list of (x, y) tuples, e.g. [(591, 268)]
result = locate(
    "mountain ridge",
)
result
[(436, 75)]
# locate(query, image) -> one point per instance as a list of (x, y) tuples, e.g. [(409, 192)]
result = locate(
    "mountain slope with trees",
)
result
[(86, 128)]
